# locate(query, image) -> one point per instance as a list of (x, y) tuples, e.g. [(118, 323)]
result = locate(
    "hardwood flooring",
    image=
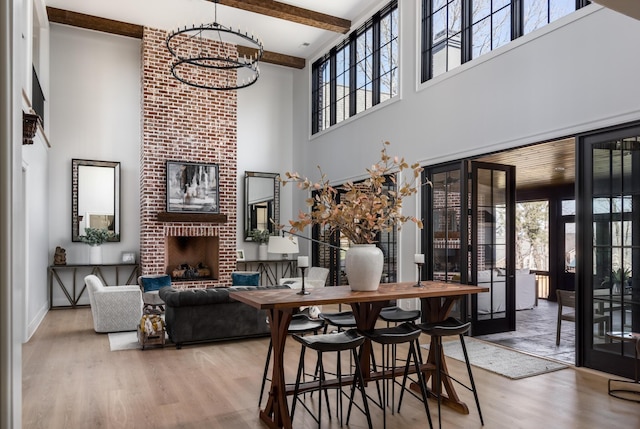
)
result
[(72, 380)]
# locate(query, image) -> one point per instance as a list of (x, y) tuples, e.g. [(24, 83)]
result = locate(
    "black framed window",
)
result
[(358, 73), (333, 259), (457, 31)]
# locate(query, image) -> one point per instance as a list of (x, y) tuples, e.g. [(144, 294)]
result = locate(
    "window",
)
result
[(327, 255), (358, 73), (457, 31)]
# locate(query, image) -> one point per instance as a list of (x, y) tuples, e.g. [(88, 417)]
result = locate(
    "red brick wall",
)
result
[(181, 123)]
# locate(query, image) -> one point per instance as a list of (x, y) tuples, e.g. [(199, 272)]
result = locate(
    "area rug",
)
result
[(499, 360), (124, 341)]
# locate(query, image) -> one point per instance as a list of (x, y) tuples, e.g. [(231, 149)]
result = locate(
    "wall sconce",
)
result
[(29, 127)]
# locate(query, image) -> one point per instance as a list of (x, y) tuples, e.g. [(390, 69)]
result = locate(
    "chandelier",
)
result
[(203, 64)]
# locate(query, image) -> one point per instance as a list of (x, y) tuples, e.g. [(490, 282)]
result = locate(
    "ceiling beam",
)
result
[(290, 13), (96, 23), (91, 22)]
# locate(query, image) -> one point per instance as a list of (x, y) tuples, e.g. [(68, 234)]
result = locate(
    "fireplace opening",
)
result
[(192, 258)]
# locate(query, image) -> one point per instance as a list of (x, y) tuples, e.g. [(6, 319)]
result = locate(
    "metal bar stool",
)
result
[(343, 320), (392, 336), (300, 324), (342, 341), (437, 330), (397, 315)]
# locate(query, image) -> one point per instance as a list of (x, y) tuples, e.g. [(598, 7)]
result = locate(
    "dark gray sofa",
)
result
[(200, 315)]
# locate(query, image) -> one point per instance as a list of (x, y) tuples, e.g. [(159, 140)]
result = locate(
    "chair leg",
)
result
[(473, 384), (359, 378), (437, 343), (266, 370), (297, 385), (423, 384)]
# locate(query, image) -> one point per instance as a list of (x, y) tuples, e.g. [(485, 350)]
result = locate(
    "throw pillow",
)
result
[(245, 279), (150, 284)]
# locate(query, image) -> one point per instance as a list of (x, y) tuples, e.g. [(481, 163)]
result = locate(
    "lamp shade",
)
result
[(282, 245)]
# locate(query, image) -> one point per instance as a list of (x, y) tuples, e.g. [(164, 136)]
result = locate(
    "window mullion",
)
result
[(467, 7), (352, 75), (376, 50), (333, 87)]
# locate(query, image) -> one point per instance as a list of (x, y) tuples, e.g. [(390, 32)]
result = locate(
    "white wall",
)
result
[(576, 74), (95, 114), (265, 138)]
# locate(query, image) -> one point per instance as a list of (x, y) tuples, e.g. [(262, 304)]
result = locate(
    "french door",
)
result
[(608, 221), (470, 237)]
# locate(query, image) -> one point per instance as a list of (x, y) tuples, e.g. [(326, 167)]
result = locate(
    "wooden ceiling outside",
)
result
[(540, 165), (264, 7)]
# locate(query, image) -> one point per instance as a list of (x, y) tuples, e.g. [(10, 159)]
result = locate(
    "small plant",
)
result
[(260, 235), (96, 236)]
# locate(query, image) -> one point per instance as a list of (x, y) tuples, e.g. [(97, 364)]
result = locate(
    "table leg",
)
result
[(366, 315), (433, 310), (276, 412)]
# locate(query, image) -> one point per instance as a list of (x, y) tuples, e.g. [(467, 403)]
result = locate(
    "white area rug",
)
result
[(124, 341), (508, 363)]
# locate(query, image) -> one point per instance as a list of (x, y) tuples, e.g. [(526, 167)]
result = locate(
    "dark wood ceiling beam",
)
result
[(290, 13), (91, 22), (274, 58)]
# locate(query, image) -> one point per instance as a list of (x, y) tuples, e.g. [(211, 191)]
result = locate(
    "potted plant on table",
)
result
[(261, 236), (95, 237), (362, 211)]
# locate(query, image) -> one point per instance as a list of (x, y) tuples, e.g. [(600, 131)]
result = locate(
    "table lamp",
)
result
[(282, 245)]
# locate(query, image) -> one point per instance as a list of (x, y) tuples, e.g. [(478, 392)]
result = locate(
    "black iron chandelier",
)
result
[(220, 66)]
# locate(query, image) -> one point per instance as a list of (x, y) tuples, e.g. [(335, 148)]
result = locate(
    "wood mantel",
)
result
[(192, 217)]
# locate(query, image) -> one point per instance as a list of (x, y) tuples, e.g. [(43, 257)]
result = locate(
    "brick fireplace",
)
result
[(181, 123)]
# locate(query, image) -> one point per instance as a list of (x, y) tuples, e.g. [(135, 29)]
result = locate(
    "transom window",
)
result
[(457, 31), (358, 73)]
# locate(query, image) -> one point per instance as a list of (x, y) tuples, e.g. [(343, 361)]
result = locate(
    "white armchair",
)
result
[(114, 308), (314, 277)]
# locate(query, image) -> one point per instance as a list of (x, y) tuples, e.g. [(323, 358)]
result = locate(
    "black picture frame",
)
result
[(192, 187)]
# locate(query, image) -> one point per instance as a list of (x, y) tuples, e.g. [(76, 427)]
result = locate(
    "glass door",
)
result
[(492, 238), (607, 283), (470, 237)]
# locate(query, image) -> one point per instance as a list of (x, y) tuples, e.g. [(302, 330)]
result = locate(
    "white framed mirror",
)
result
[(95, 197)]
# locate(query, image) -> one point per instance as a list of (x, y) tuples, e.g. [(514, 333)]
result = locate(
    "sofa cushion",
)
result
[(245, 279), (153, 283)]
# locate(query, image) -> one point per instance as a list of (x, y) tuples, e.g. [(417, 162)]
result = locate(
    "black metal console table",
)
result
[(73, 295)]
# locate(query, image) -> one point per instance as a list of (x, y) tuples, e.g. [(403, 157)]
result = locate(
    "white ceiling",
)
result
[(278, 35)]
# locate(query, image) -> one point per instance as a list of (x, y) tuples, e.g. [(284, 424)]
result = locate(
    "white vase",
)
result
[(95, 255), (263, 255), (364, 266)]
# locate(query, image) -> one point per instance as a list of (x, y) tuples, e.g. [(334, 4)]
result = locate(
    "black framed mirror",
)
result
[(95, 197), (261, 202)]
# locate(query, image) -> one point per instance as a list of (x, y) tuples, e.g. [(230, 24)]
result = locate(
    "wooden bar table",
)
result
[(437, 300)]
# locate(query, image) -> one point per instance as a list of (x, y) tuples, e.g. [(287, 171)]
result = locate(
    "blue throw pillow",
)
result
[(150, 284), (245, 279)]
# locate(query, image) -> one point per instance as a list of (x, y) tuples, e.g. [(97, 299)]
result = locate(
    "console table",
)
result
[(270, 270), (73, 295)]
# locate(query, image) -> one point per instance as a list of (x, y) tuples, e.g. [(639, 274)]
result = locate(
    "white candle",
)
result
[(419, 258), (303, 261)]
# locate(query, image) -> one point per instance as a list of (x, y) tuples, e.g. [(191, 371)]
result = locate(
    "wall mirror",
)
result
[(95, 197), (261, 201)]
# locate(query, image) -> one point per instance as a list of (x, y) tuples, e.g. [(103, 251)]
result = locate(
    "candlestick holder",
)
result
[(303, 291), (419, 264)]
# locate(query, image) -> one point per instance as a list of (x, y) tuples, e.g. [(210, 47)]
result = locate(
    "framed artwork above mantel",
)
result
[(192, 188)]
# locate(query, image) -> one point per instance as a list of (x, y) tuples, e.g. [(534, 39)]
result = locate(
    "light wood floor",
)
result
[(72, 380)]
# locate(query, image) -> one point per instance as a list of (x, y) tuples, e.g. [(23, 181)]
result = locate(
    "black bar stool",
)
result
[(343, 320), (397, 315), (300, 324), (342, 341), (437, 330), (392, 336)]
